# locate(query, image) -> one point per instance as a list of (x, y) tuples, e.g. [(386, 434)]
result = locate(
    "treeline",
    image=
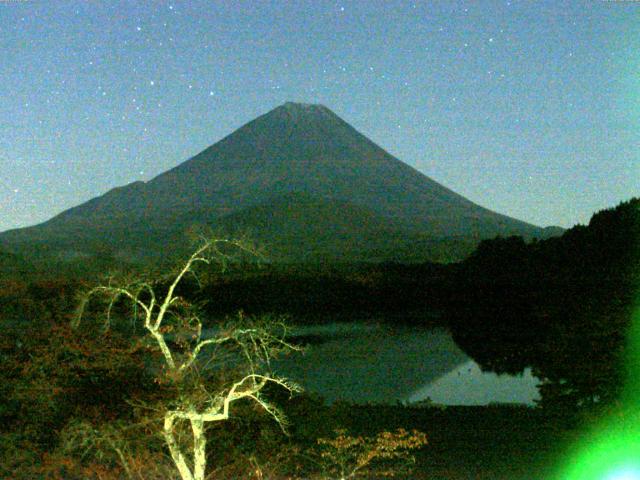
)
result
[(308, 294), (561, 306)]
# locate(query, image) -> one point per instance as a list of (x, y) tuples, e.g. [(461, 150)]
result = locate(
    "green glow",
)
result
[(611, 450), (626, 473)]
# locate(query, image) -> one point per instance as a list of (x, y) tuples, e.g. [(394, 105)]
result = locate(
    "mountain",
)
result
[(11, 264), (299, 175)]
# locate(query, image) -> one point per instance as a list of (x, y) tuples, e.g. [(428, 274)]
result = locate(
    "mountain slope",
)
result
[(300, 227), (11, 264), (295, 148)]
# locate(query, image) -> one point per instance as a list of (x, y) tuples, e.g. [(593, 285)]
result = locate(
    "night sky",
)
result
[(527, 108)]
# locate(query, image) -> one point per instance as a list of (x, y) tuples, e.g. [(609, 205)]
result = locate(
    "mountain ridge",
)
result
[(294, 148)]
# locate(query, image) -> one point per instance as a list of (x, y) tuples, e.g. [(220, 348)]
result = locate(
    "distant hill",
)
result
[(299, 177)]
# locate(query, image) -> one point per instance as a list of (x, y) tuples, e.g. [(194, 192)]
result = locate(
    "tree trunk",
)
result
[(174, 449), (199, 449)]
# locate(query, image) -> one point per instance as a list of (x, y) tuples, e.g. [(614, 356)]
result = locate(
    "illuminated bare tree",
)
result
[(202, 365)]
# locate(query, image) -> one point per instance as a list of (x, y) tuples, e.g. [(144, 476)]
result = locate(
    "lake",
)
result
[(378, 363)]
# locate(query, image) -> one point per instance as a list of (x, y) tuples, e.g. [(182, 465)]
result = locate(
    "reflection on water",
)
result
[(468, 385), (383, 364)]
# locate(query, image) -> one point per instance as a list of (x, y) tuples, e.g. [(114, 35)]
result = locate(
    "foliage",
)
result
[(54, 377), (384, 455)]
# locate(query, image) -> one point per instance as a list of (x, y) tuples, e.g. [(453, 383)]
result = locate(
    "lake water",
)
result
[(378, 363)]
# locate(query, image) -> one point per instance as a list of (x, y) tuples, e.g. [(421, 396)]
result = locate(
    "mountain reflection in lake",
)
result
[(383, 364)]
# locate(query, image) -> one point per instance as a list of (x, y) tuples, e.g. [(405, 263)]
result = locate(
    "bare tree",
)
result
[(209, 369)]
